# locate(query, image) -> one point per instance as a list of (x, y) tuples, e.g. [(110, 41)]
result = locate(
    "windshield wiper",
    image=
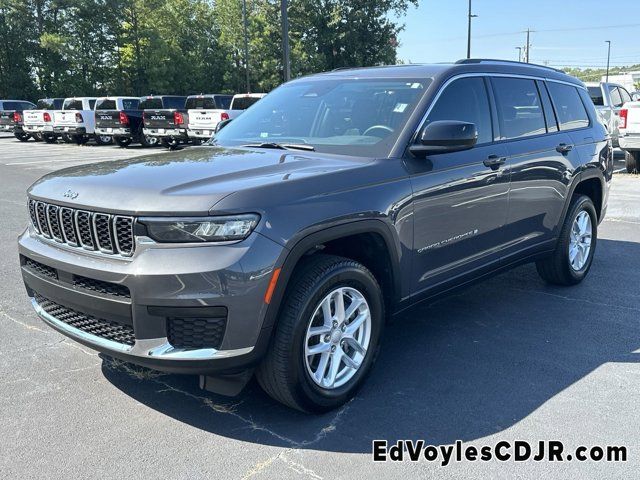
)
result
[(282, 146)]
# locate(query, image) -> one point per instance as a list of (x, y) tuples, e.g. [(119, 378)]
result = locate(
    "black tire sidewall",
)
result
[(122, 141), (582, 204), (308, 393)]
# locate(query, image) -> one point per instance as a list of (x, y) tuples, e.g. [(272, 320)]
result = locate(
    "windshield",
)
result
[(596, 96), (361, 117)]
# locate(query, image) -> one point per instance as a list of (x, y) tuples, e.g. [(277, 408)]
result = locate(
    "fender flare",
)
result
[(290, 257)]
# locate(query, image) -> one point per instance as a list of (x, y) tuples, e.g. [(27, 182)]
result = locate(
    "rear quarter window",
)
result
[(570, 110)]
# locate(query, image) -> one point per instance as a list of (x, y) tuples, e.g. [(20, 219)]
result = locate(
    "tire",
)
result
[(632, 161), (147, 141), (196, 141), (38, 137), (103, 140), (285, 371), (49, 138), (66, 138), (23, 137), (169, 142), (557, 269), (122, 142), (79, 139)]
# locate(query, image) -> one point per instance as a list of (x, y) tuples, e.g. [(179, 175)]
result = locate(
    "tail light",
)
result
[(623, 118), (46, 117), (17, 117), (224, 116), (79, 118), (124, 119), (178, 118)]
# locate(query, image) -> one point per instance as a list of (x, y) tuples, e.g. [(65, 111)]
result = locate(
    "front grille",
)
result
[(196, 332), (95, 326), (100, 286), (40, 269), (110, 234)]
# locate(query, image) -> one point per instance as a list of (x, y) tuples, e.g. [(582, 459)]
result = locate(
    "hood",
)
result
[(190, 181)]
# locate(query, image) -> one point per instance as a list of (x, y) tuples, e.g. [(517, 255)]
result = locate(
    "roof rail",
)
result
[(511, 62)]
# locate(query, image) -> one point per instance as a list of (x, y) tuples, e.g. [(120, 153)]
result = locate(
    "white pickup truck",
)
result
[(205, 112), (629, 127), (77, 119), (39, 122)]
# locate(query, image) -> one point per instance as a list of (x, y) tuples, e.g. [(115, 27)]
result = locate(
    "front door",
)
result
[(461, 198)]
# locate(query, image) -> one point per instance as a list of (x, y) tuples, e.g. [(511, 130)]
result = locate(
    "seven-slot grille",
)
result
[(110, 234)]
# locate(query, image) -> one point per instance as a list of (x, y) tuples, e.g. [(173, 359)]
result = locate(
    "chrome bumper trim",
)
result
[(158, 348)]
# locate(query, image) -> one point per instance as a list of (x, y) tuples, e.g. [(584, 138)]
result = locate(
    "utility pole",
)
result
[(286, 63), (528, 49), (246, 43), (608, 58), (519, 53), (470, 16)]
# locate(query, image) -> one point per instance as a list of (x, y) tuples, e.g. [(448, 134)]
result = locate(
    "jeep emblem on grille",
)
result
[(71, 194)]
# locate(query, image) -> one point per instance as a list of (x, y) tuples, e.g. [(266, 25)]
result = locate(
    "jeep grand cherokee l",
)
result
[(335, 202)]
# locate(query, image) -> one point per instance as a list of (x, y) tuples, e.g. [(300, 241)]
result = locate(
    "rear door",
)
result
[(460, 199), (542, 159)]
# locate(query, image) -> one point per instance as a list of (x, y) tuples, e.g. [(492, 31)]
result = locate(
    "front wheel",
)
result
[(122, 141), (22, 136), (327, 336), (632, 161), (570, 262)]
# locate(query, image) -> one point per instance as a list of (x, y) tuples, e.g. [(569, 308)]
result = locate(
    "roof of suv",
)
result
[(448, 69)]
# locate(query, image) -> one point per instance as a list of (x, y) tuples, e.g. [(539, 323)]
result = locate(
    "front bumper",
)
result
[(121, 132), (70, 130), (161, 278), (166, 132), (630, 142)]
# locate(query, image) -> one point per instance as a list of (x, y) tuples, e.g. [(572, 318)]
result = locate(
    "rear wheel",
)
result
[(122, 141), (49, 137), (570, 262), (38, 137), (327, 336), (196, 141), (147, 141), (632, 161), (22, 136), (103, 140), (66, 138), (80, 139)]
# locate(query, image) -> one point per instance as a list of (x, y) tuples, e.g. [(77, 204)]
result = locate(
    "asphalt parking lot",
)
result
[(507, 359)]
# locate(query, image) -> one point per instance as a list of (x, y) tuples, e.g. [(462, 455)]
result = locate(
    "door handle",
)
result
[(494, 161), (564, 148)]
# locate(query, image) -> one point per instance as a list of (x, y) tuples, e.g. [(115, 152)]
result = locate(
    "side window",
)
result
[(616, 99), (549, 114), (519, 107), (465, 100), (569, 107), (625, 95)]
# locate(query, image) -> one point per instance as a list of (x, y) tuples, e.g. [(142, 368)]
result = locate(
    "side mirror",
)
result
[(444, 136), (223, 124)]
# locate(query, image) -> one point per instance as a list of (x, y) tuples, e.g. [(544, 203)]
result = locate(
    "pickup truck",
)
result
[(165, 118), (11, 117), (205, 112), (608, 99), (39, 122), (121, 118), (77, 119), (630, 135)]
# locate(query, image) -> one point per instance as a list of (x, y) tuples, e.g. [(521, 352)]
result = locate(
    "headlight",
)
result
[(212, 229)]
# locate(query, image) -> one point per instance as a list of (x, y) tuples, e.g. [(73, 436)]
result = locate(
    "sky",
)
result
[(564, 32)]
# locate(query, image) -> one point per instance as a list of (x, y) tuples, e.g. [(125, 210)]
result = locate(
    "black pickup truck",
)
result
[(165, 118), (121, 118), (11, 119)]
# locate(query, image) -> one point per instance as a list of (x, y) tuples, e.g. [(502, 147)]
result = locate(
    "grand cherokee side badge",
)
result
[(71, 194)]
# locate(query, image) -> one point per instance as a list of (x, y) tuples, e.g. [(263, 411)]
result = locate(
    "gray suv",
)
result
[(282, 246)]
